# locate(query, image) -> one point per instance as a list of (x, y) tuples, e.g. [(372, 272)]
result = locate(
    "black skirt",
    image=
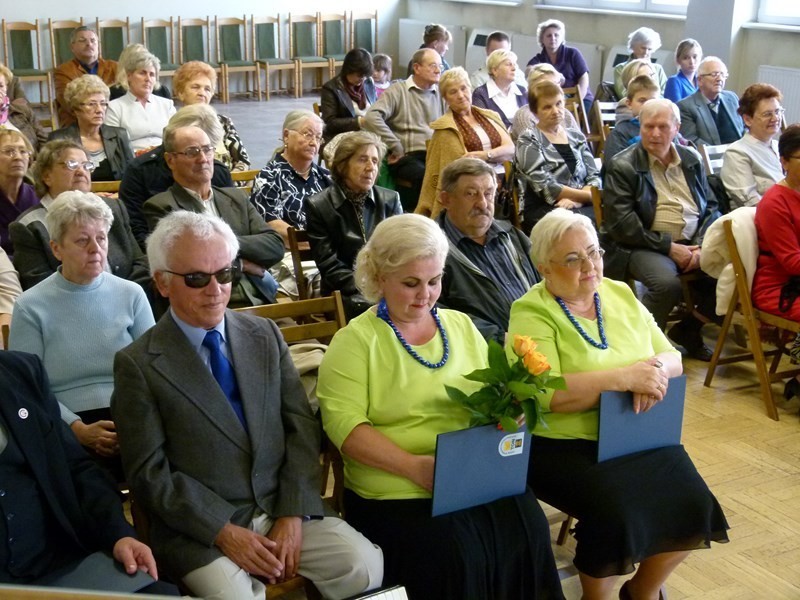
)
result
[(628, 508), (498, 551)]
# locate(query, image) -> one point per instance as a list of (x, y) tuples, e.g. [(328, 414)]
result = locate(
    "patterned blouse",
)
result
[(279, 192), (235, 156)]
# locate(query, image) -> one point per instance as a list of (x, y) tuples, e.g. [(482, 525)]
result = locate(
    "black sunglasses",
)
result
[(201, 280)]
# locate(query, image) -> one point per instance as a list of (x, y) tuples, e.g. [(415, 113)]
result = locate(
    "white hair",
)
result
[(642, 36), (76, 207), (181, 223), (552, 227), (653, 107)]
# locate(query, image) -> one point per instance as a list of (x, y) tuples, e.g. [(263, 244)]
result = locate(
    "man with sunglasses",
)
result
[(190, 156), (710, 116), (217, 438)]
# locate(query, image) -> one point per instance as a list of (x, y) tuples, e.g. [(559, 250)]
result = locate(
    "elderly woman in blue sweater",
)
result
[(77, 318)]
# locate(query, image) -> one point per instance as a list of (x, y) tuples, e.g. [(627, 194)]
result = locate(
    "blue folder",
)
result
[(479, 465), (623, 432)]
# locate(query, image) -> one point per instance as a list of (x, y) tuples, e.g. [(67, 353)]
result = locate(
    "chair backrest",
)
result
[(300, 249), (712, 157), (159, 38), (231, 38), (573, 101), (60, 36), (114, 35), (194, 39), (364, 31), (597, 205), (333, 29), (266, 37), (24, 53), (248, 176), (303, 35), (302, 311), (604, 117), (111, 187)]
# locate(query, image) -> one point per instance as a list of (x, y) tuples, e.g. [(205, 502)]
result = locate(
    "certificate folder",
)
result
[(623, 432), (479, 465)]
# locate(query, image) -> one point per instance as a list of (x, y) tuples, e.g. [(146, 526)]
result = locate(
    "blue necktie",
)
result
[(223, 372)]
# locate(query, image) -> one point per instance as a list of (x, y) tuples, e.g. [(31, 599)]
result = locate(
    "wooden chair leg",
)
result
[(761, 368), (723, 334), (563, 533)]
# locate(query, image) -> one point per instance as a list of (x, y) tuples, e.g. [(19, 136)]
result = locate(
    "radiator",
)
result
[(788, 82)]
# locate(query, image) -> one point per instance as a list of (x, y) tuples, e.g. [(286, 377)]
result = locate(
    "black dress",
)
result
[(628, 508)]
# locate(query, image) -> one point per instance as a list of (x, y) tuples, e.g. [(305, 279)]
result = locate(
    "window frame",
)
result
[(668, 7), (773, 17)]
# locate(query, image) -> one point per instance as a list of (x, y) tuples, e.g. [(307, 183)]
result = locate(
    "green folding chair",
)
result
[(333, 28), (364, 31), (114, 35), (23, 51), (194, 43), (60, 40), (159, 38), (305, 49)]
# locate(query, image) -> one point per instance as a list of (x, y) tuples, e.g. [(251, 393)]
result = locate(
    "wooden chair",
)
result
[(305, 49), (114, 36), (6, 331), (233, 52), (300, 250), (111, 187), (158, 36), (573, 102), (333, 34), (60, 40), (305, 327), (248, 177), (712, 157), (742, 304), (267, 51), (194, 43), (604, 116), (22, 49), (597, 205), (364, 31)]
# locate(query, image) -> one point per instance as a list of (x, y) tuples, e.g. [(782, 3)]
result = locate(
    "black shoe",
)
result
[(791, 389), (691, 340)]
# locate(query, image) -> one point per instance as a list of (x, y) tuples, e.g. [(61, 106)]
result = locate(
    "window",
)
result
[(782, 12), (496, 2), (656, 6)]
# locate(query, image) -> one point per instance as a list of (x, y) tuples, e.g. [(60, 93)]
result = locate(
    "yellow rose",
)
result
[(535, 362), (523, 344)]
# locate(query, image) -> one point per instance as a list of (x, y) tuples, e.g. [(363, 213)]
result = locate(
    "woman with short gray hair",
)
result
[(79, 317), (567, 60), (108, 147), (142, 113), (642, 43), (501, 93), (341, 218), (386, 428)]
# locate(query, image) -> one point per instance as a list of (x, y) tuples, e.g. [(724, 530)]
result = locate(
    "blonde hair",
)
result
[(81, 88), (542, 70), (395, 242), (497, 58), (454, 76)]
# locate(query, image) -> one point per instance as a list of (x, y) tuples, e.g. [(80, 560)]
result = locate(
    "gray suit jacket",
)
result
[(697, 124), (258, 242), (189, 461)]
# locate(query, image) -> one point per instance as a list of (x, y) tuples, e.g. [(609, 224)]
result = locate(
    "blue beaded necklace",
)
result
[(383, 314), (603, 343)]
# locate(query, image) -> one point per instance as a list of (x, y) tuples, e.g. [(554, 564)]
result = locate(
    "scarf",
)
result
[(471, 140), (357, 199), (4, 110), (356, 93)]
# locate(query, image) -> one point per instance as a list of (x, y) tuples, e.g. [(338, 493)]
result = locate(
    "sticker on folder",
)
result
[(512, 444)]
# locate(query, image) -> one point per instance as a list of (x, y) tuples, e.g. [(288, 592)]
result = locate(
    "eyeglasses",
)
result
[(95, 105), (14, 152), (715, 75), (309, 135), (194, 151), (200, 280), (437, 66), (773, 114), (576, 262), (73, 165)]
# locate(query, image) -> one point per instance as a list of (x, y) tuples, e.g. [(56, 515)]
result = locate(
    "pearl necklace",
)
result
[(603, 343), (383, 314)]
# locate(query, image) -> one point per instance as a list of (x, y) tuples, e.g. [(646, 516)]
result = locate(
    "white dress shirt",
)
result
[(144, 124)]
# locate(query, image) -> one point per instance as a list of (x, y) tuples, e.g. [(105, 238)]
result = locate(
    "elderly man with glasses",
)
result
[(709, 116), (401, 118), (190, 156)]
